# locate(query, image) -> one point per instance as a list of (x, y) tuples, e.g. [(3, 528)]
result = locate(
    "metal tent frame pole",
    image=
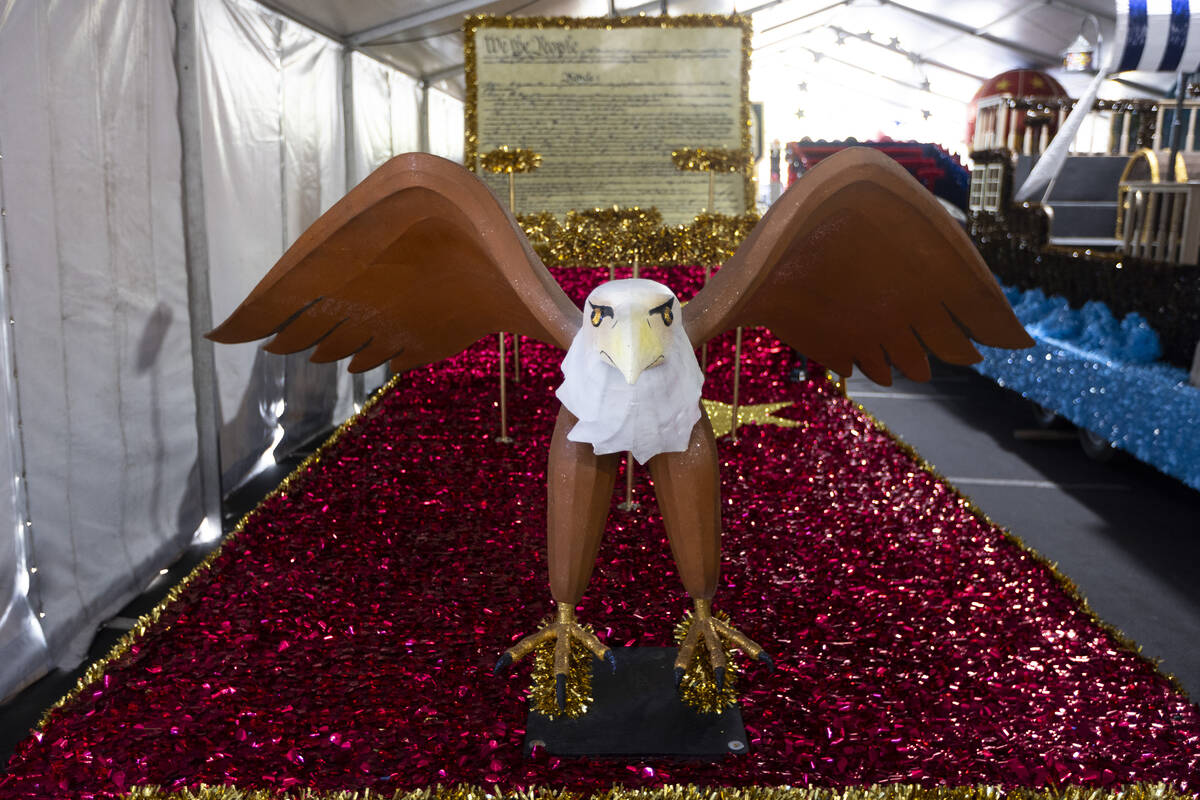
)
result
[(195, 234)]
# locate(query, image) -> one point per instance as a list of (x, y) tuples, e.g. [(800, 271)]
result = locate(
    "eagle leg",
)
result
[(688, 488), (579, 490)]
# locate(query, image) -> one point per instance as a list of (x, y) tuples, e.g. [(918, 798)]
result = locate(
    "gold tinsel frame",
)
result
[(891, 791), (474, 23), (898, 791)]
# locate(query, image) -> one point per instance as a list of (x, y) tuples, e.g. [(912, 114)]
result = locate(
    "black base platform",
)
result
[(637, 712)]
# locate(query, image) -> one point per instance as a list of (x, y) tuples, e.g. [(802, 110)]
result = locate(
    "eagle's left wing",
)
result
[(858, 264)]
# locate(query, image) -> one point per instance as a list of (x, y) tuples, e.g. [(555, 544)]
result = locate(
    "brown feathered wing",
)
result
[(858, 264), (415, 264)]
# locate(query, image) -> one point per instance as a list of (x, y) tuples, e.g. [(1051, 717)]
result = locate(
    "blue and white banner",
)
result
[(1156, 36)]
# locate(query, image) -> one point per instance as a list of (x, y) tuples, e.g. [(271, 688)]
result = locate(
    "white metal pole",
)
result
[(195, 233)]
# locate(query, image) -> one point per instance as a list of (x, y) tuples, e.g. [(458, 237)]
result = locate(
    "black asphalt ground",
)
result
[(1127, 535)]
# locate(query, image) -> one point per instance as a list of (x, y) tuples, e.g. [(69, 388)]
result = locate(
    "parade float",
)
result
[(1097, 240)]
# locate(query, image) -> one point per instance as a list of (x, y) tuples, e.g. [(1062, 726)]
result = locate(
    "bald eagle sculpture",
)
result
[(856, 264)]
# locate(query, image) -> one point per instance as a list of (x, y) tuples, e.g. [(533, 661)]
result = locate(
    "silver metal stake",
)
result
[(628, 505), (737, 374), (503, 438)]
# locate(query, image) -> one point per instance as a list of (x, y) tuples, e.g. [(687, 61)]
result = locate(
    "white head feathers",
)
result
[(630, 375)]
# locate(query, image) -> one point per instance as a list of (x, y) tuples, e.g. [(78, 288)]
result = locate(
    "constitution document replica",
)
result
[(605, 101)]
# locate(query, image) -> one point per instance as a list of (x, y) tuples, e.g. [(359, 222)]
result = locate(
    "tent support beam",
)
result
[(407, 23), (423, 117), (358, 382), (195, 233), (1042, 59)]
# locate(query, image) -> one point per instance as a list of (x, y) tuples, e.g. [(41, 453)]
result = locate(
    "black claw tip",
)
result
[(719, 674), (678, 676), (503, 664), (611, 659), (560, 691), (766, 659)]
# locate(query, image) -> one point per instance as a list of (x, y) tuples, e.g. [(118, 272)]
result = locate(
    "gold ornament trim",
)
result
[(96, 669), (711, 159), (473, 23), (891, 791), (503, 159), (617, 235), (1068, 586)]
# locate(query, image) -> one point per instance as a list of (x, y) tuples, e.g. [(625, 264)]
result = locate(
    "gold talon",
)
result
[(708, 683), (740, 640), (560, 659)]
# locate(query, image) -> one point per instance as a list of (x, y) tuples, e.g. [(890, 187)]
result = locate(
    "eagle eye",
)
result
[(599, 313), (666, 311)]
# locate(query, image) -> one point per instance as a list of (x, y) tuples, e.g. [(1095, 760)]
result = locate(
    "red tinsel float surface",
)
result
[(345, 638)]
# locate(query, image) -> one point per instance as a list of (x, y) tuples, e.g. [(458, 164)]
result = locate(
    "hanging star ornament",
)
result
[(855, 265)]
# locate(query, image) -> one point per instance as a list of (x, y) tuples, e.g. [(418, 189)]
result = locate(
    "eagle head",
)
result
[(630, 323), (631, 376)]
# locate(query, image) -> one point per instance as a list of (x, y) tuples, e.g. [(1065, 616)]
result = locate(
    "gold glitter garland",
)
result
[(1062, 581), (542, 686), (699, 687), (96, 669), (619, 235), (470, 65), (711, 159), (891, 791), (503, 159)]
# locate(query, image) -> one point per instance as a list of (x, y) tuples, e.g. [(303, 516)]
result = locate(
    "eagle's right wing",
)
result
[(412, 266)]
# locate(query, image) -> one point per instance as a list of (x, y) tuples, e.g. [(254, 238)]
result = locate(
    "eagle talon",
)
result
[(560, 691), (715, 634), (502, 664), (561, 632)]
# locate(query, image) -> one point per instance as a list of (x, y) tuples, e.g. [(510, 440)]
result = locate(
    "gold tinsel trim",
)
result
[(503, 159), (470, 65), (711, 159), (891, 791), (1064, 583), (97, 668), (699, 687), (618, 235), (542, 688)]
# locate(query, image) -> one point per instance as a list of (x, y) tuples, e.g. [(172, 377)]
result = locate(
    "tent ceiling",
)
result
[(971, 38)]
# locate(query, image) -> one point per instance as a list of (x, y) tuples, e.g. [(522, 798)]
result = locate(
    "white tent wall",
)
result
[(20, 633), (445, 125), (385, 123), (93, 238), (98, 301), (273, 160)]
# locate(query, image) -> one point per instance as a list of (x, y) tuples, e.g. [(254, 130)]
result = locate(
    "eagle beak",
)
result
[(632, 347)]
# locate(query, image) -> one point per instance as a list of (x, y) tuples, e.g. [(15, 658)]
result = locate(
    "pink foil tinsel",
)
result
[(345, 639)]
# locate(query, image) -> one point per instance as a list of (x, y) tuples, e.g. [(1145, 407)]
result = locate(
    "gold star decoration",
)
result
[(721, 415)]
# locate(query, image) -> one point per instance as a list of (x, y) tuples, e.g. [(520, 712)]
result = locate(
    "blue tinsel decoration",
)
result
[(1101, 374)]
